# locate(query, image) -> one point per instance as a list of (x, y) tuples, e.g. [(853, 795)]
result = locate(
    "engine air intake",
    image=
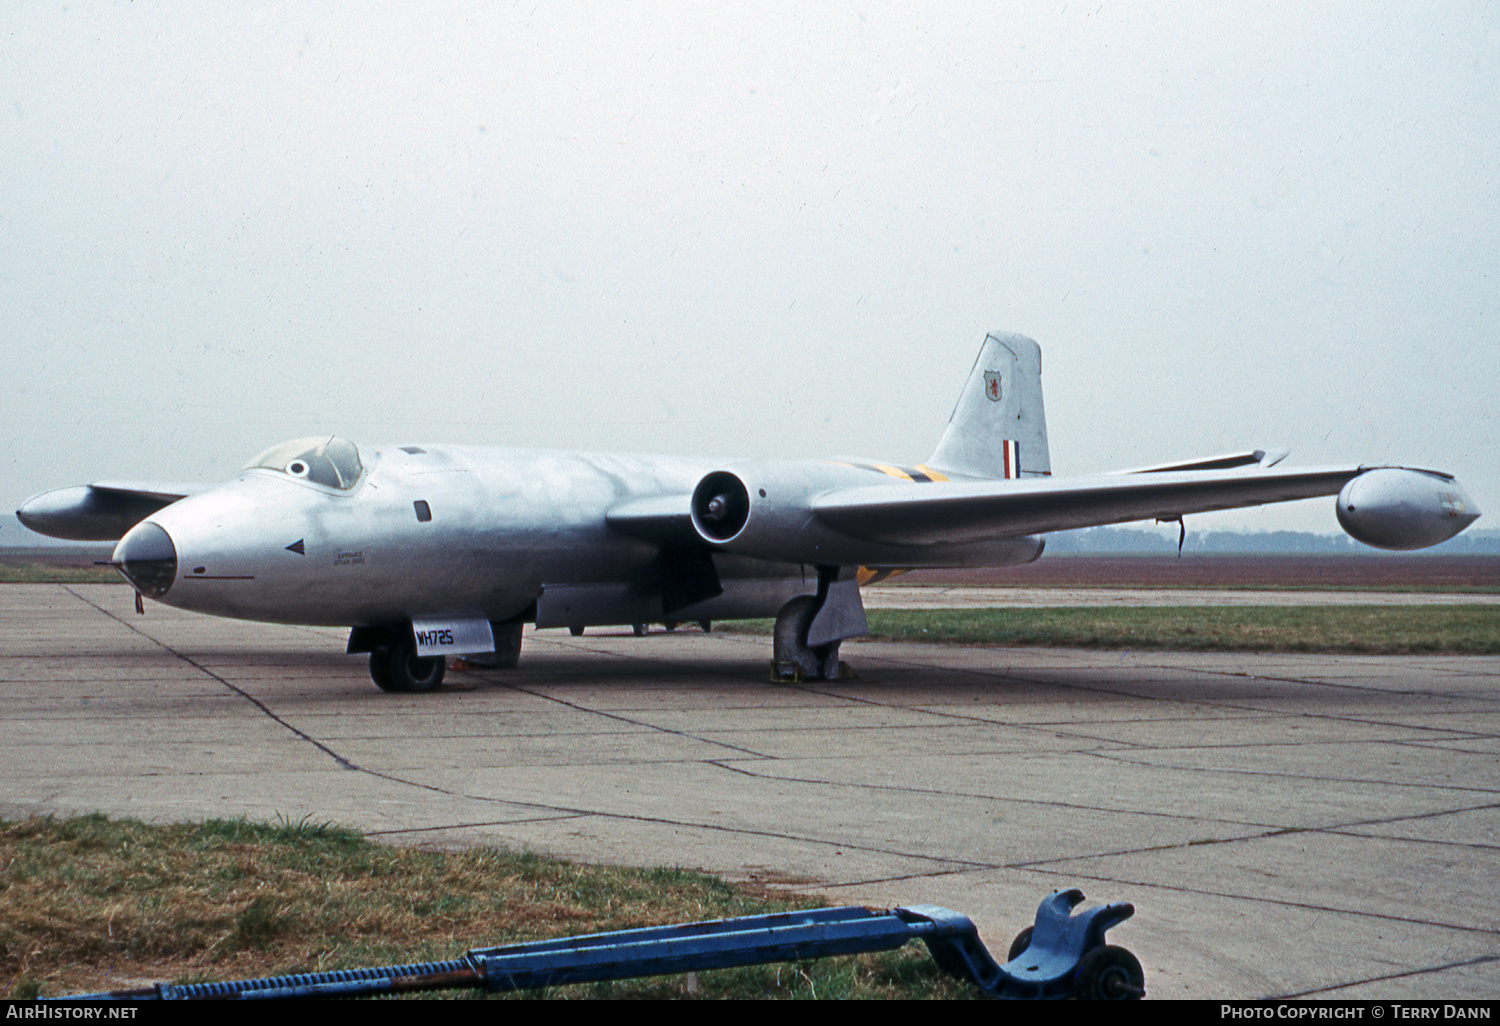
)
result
[(721, 506)]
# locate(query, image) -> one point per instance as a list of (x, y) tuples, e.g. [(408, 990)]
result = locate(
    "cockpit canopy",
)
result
[(333, 462)]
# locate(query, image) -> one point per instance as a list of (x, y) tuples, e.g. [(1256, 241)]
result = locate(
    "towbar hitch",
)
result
[(1061, 955)]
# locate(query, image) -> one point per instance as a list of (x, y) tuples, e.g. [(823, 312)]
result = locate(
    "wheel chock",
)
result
[(1063, 955)]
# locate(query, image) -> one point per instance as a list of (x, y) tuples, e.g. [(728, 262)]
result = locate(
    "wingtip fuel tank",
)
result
[(1402, 509)]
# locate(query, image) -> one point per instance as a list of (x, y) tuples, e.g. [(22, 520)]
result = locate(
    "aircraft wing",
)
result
[(102, 511), (806, 513), (957, 512)]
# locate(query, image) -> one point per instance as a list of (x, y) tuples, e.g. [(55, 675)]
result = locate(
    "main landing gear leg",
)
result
[(809, 629)]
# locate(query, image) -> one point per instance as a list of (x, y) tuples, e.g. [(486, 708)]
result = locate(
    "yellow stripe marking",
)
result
[(868, 575)]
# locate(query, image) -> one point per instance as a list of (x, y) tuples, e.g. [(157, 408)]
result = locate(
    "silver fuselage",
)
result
[(473, 531)]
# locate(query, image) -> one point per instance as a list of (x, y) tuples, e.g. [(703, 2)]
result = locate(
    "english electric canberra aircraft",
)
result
[(427, 551)]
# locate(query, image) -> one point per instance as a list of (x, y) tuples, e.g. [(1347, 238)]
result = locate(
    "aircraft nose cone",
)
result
[(148, 559)]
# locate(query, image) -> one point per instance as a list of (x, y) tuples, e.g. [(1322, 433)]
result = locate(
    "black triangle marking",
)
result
[(297, 547)]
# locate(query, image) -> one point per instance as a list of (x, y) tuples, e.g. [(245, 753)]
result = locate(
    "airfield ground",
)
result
[(1326, 826)]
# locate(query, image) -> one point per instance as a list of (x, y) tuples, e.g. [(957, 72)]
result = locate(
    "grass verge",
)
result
[(93, 903), (1362, 630), (42, 573)]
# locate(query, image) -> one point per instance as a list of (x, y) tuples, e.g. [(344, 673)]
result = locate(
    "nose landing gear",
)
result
[(395, 666)]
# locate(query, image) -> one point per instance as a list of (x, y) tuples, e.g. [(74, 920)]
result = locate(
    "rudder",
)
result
[(999, 429)]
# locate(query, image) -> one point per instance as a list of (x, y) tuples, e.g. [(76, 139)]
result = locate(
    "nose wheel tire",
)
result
[(397, 667)]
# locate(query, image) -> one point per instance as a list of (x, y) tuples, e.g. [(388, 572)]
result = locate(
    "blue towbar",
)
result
[(1060, 956)]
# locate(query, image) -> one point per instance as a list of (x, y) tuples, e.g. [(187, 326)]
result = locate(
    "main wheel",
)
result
[(1109, 973), (507, 645), (380, 659), (397, 667)]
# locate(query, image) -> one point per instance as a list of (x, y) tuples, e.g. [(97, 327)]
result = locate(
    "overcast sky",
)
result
[(755, 231)]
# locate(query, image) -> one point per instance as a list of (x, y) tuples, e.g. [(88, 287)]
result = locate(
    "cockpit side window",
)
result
[(332, 462)]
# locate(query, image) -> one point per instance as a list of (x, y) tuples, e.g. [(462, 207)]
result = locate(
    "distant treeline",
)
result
[(1126, 540)]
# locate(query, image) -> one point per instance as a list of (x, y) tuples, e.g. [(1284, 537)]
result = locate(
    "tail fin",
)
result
[(998, 428)]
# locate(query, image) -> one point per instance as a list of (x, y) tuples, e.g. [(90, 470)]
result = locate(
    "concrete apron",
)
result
[(1285, 825)]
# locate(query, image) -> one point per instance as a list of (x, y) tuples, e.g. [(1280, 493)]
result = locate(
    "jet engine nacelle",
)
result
[(766, 510), (758, 510), (1397, 508)]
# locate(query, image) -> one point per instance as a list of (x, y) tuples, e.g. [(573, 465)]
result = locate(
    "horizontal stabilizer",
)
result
[(1226, 461)]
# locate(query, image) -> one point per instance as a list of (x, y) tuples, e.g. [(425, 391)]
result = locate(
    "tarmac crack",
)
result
[(1008, 675), (1267, 830), (1115, 756), (898, 878), (1049, 729), (636, 723), (738, 830), (1425, 971), (265, 710), (471, 826), (1340, 829), (1488, 931), (977, 796)]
